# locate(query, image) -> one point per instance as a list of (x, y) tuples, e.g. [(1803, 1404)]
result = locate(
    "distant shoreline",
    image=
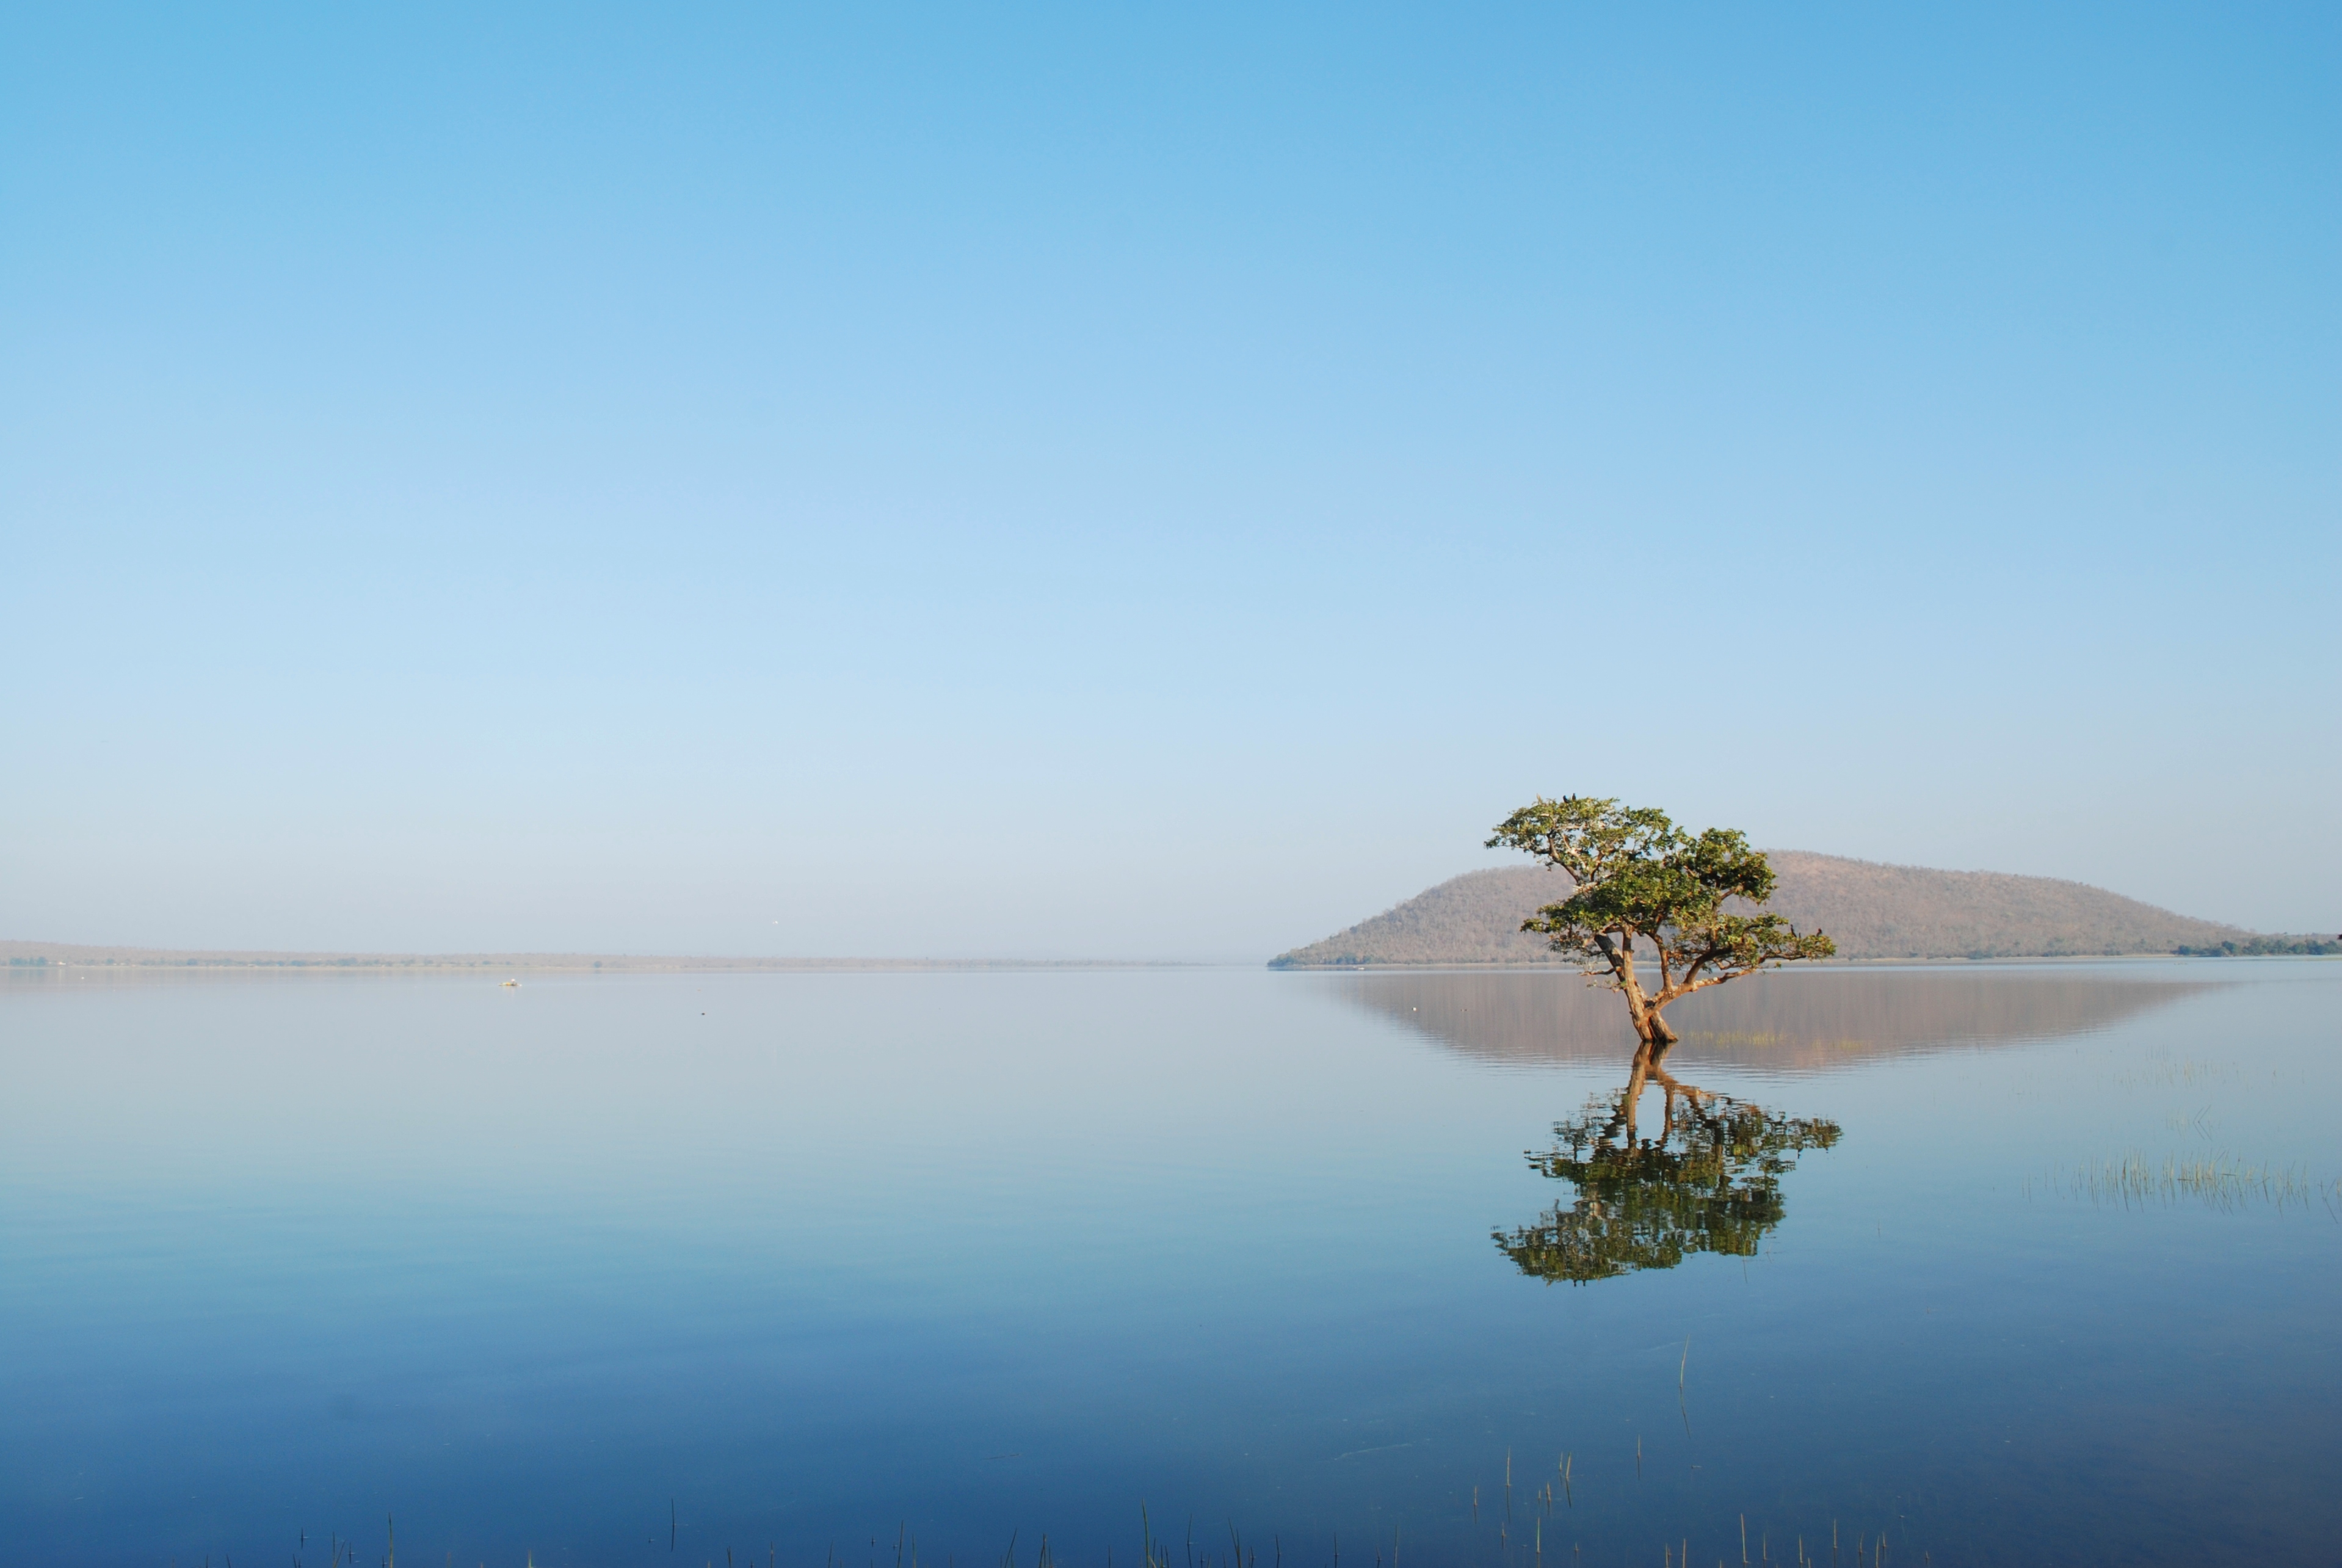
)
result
[(1811, 966), (20, 956), (1874, 912)]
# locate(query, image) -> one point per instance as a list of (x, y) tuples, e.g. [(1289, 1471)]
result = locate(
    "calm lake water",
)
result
[(659, 1270)]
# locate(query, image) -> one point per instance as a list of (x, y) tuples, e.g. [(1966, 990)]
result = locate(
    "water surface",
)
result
[(645, 1268)]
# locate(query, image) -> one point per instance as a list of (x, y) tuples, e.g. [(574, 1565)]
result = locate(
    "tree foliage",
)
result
[(1639, 880)]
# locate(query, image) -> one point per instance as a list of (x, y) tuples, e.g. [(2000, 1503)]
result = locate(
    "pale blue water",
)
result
[(819, 1260)]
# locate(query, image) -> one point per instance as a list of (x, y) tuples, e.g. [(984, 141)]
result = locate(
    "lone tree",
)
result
[(1644, 884)]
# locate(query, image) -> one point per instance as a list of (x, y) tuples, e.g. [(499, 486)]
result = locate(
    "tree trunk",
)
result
[(1655, 1041), (1650, 1051), (1660, 1040)]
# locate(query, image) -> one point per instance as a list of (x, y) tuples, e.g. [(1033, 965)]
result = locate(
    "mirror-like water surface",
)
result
[(2011, 1266)]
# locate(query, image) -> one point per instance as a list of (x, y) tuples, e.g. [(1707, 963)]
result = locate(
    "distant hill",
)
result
[(1874, 911)]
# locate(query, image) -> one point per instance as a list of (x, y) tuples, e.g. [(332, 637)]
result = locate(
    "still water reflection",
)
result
[(1710, 1182), (1781, 1023), (676, 1269)]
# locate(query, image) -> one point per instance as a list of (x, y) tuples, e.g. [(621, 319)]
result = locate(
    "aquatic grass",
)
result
[(2220, 1182), (1870, 1551), (2164, 1074)]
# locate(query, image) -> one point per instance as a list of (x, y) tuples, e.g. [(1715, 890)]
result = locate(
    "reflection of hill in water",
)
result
[(1790, 1021)]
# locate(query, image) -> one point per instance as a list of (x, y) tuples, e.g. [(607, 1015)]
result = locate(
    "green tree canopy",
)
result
[(1642, 884)]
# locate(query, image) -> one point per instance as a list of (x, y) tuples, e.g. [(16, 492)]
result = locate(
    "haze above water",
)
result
[(815, 1260)]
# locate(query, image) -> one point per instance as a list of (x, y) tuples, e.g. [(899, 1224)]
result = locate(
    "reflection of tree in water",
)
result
[(1710, 1182)]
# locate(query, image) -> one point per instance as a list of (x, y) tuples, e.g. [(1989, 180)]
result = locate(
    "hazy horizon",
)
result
[(10, 940), (1079, 485)]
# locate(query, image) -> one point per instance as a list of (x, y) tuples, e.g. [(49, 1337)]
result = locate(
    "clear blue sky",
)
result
[(1115, 480)]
